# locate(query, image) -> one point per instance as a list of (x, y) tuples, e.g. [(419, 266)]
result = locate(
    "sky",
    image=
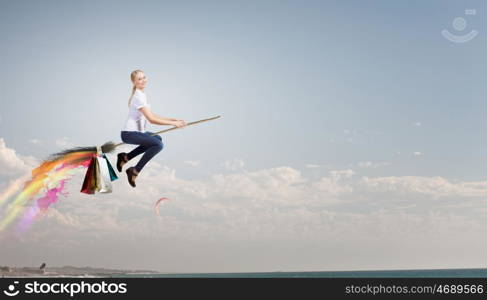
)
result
[(350, 137)]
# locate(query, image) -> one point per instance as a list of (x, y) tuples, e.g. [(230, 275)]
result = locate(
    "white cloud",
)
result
[(265, 202), (432, 186), (275, 205), (369, 164), (14, 171), (233, 165), (272, 198), (417, 124), (64, 143), (193, 163), (338, 174), (349, 134), (12, 187), (312, 166), (35, 141), (417, 153), (11, 164), (365, 164)]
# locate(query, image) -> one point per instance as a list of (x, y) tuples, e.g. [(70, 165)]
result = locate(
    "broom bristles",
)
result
[(59, 155), (108, 147)]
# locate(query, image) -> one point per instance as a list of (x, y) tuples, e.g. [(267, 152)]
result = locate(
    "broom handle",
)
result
[(172, 128)]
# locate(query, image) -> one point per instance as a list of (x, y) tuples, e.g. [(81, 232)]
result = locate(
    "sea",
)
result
[(433, 273)]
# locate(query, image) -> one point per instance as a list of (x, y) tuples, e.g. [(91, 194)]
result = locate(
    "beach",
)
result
[(68, 271)]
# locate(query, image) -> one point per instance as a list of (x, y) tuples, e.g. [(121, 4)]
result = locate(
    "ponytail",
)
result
[(132, 78), (133, 92)]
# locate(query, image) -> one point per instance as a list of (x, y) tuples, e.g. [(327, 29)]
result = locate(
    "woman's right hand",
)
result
[(179, 123)]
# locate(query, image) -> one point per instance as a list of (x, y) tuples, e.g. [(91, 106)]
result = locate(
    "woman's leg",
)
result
[(149, 145), (150, 151), (136, 151), (142, 148)]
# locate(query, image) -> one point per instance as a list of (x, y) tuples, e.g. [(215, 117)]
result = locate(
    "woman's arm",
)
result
[(170, 119), (155, 119)]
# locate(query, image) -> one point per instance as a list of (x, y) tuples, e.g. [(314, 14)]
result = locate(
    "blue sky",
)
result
[(300, 75), (317, 87)]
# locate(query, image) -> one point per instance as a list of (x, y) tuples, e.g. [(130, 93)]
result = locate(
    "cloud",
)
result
[(272, 198), (233, 165), (417, 153), (64, 143), (349, 135), (312, 166), (264, 202), (192, 163), (12, 187), (11, 164), (431, 186), (373, 165), (35, 141), (277, 205), (14, 171), (338, 174), (417, 124)]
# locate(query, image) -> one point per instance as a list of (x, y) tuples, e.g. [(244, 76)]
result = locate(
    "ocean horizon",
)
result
[(419, 273)]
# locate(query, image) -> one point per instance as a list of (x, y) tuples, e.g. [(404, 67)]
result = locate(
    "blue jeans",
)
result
[(148, 144)]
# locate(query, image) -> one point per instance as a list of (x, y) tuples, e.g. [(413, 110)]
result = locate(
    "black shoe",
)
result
[(122, 159), (131, 175)]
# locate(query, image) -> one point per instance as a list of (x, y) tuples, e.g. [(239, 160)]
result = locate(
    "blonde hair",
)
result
[(133, 76)]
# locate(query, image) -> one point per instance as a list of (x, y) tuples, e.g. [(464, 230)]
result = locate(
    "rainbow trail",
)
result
[(46, 185)]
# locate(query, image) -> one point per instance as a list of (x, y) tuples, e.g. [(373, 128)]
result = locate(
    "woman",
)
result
[(134, 130)]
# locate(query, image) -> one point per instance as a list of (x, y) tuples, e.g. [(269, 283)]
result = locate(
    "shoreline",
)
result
[(67, 272)]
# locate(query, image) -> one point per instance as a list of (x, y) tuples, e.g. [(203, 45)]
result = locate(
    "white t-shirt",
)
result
[(136, 120)]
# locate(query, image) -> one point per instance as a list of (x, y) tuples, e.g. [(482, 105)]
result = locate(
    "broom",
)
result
[(100, 172), (111, 146)]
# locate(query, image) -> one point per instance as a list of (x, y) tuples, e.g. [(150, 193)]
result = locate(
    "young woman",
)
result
[(134, 130)]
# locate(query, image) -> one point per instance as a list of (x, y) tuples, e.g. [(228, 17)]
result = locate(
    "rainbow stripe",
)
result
[(48, 180)]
